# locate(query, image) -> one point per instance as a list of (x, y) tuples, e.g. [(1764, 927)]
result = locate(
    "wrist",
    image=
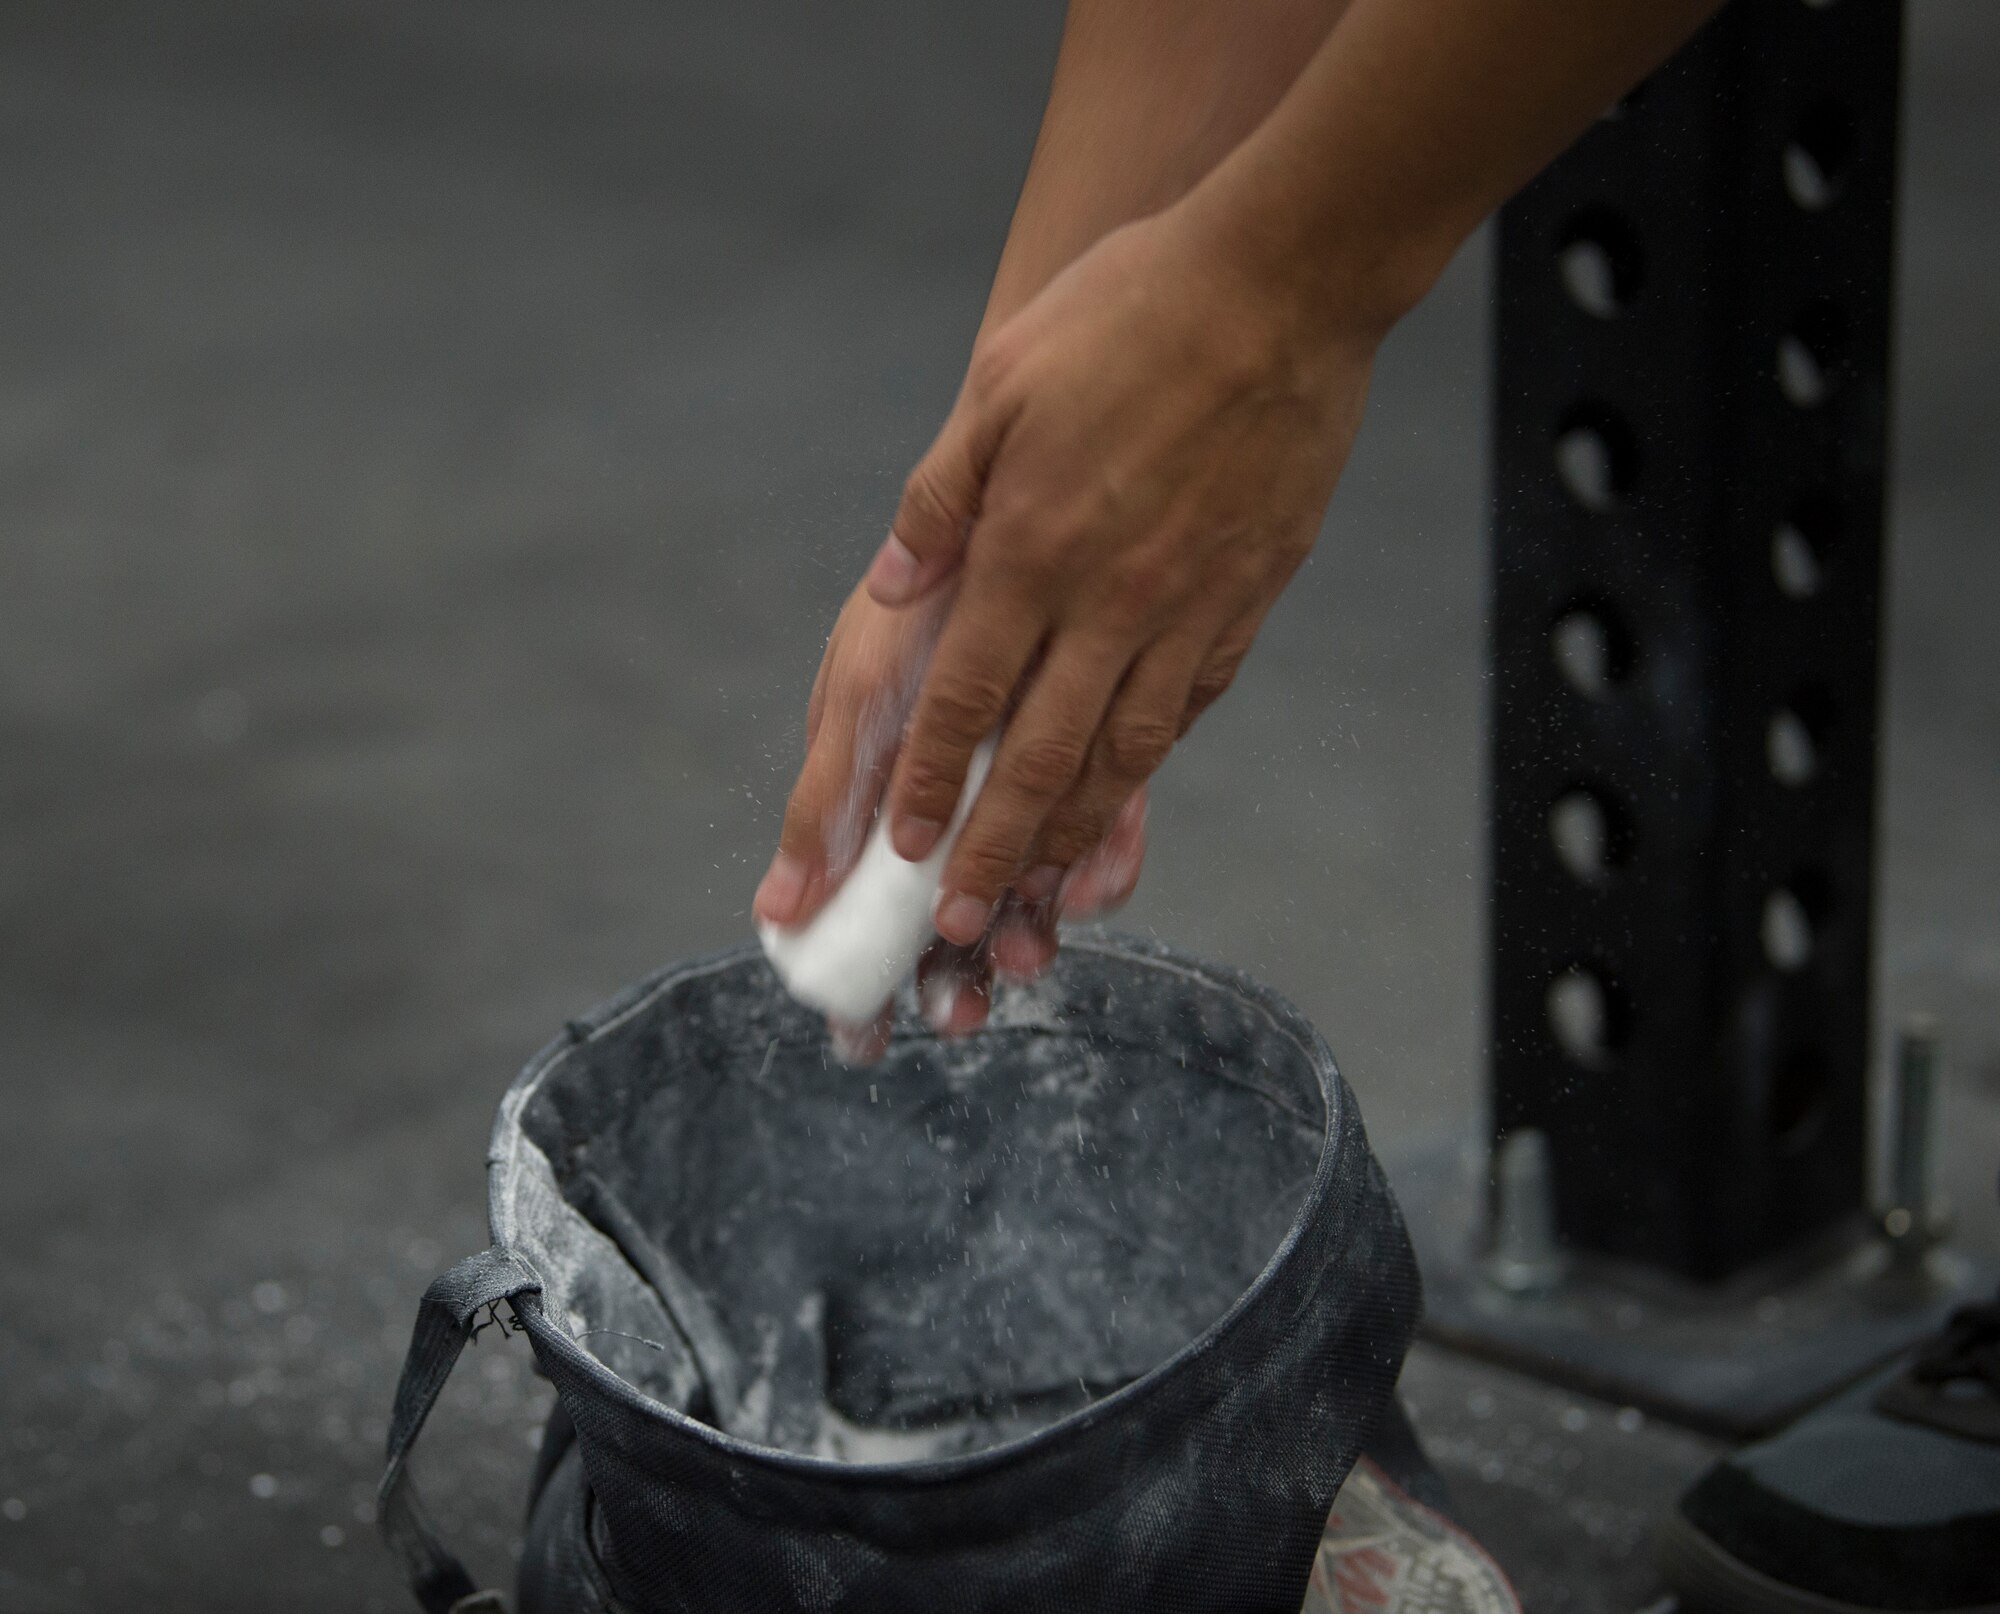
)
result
[(1335, 272)]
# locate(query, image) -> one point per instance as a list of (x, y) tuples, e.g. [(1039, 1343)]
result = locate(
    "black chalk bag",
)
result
[(1087, 1313)]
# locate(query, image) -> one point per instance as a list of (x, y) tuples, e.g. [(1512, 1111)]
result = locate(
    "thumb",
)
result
[(934, 519)]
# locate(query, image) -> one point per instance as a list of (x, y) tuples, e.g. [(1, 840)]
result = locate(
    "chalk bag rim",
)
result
[(509, 1139)]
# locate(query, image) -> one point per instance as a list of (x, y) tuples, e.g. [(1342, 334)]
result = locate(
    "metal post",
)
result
[(1526, 1258), (1690, 427), (1912, 1220), (1690, 432)]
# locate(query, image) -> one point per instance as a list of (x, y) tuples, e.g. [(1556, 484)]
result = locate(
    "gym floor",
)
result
[(433, 442)]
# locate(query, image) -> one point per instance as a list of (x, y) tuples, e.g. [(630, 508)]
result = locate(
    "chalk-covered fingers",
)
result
[(1167, 689), (1095, 840), (955, 983), (992, 637), (1041, 755), (1023, 940), (1090, 729), (1134, 738), (861, 698), (859, 1044), (1107, 874), (954, 988), (1218, 668), (803, 873)]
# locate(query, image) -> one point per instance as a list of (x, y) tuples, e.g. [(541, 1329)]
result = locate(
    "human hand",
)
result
[(861, 699), (1138, 461)]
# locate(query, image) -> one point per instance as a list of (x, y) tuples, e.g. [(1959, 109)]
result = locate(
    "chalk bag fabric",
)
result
[(1088, 1313)]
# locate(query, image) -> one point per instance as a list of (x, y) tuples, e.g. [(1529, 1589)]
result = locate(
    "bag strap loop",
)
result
[(449, 1315)]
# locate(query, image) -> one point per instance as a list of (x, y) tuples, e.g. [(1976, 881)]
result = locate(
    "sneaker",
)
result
[(1885, 1498), (1387, 1552)]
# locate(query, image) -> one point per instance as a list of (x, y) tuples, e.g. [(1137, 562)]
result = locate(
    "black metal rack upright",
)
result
[(1690, 429), (1691, 425)]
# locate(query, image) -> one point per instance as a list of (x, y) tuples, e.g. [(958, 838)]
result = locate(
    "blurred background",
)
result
[(434, 440)]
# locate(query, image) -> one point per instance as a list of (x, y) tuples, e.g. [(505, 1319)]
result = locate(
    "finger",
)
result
[(1041, 754), (940, 500), (1108, 875), (1023, 944), (1219, 667), (821, 833), (954, 988), (859, 1044), (1138, 731), (816, 700), (1076, 828), (986, 647)]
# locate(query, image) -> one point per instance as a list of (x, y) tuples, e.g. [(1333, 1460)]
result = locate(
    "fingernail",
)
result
[(781, 889), (1039, 883), (962, 919), (914, 837), (893, 572)]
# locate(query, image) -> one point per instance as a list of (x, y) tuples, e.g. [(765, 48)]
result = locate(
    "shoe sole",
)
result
[(1712, 1581)]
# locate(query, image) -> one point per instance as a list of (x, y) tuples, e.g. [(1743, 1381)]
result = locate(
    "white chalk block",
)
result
[(848, 960)]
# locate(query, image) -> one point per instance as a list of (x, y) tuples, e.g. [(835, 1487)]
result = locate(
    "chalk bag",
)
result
[(1087, 1313)]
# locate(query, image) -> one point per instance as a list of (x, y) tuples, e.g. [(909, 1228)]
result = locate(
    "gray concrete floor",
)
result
[(432, 443)]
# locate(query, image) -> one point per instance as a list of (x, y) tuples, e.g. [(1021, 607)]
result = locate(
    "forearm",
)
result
[(1148, 96), (1412, 122)]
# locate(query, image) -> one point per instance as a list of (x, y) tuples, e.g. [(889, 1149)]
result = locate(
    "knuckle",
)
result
[(1208, 689), (1067, 843), (1046, 765), (965, 705), (924, 505), (990, 366), (1211, 683), (985, 863), (1134, 746), (930, 790)]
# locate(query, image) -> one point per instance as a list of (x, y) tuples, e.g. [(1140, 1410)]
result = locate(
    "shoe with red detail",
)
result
[(1384, 1552)]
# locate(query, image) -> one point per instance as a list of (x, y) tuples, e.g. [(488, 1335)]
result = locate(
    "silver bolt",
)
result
[(1910, 1219), (1527, 1256)]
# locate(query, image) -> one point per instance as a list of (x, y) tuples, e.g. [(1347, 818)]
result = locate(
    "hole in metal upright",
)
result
[(1584, 1016), (1591, 650), (1590, 836), (1787, 930), (1800, 546), (1817, 158), (1812, 354), (1600, 262), (1795, 740), (1596, 456)]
